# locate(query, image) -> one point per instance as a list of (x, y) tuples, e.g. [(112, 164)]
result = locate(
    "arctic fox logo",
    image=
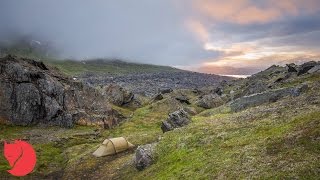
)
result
[(21, 157)]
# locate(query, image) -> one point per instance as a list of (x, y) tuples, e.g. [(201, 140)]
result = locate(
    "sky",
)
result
[(213, 36)]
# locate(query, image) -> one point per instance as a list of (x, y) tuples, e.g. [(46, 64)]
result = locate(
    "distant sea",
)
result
[(236, 76)]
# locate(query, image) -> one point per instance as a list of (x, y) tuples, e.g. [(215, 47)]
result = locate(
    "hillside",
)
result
[(266, 126), (26, 47), (105, 66)]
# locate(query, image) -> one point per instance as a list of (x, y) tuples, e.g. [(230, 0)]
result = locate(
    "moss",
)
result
[(49, 158), (11, 132), (225, 148), (142, 128), (124, 111)]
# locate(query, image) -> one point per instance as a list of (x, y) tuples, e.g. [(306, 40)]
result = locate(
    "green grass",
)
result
[(219, 146), (49, 158), (104, 66), (142, 128), (52, 156), (96, 66)]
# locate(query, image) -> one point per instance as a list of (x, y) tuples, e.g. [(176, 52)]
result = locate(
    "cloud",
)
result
[(194, 34), (199, 30), (249, 11)]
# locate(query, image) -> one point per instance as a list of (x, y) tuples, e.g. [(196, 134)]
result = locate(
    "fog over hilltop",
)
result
[(206, 36)]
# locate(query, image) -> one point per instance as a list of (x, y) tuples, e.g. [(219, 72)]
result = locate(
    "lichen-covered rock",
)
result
[(118, 95), (183, 99), (176, 119), (315, 69), (265, 97), (144, 156), (291, 67), (157, 97), (304, 68), (210, 101), (165, 90), (255, 87), (32, 93)]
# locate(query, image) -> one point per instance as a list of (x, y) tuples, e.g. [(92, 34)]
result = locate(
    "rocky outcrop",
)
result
[(265, 97), (183, 99), (32, 93), (304, 68), (176, 119), (144, 156), (255, 87), (315, 69), (210, 101), (291, 67), (118, 95), (165, 90), (157, 97)]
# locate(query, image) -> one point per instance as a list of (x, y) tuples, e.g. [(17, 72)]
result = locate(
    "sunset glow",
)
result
[(212, 36)]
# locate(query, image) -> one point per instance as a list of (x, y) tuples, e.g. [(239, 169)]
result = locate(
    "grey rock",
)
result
[(183, 99), (152, 83), (265, 97), (210, 101), (166, 90), (32, 93), (218, 90), (118, 95), (304, 68), (176, 119), (292, 67), (144, 156), (314, 69), (158, 97)]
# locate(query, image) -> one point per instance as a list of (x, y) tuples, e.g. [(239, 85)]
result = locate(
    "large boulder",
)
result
[(165, 90), (32, 93), (265, 97), (144, 156), (183, 99), (291, 68), (255, 87), (157, 97), (304, 68), (315, 69), (118, 95), (210, 101), (175, 120)]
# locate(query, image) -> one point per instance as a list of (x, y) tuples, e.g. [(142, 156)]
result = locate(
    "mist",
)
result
[(183, 33), (147, 32)]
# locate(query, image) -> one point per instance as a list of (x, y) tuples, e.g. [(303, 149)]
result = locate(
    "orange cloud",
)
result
[(246, 11)]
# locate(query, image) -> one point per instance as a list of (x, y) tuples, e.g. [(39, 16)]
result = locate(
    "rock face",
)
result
[(304, 68), (32, 93), (165, 90), (158, 97), (144, 156), (255, 87), (265, 97), (314, 69), (176, 119), (118, 95), (210, 101), (183, 99), (291, 67)]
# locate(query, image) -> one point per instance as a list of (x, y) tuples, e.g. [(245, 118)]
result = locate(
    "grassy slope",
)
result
[(114, 67), (278, 140), (270, 141), (72, 67)]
